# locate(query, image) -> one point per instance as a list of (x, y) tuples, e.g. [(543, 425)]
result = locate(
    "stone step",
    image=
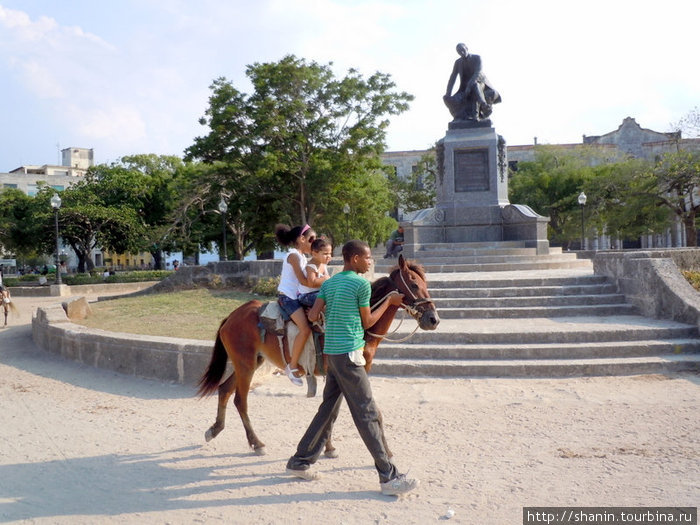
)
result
[(586, 350), (422, 254), (520, 302), (547, 368), (542, 330), (383, 267), (537, 311), (484, 245), (426, 260), (524, 291), (513, 279)]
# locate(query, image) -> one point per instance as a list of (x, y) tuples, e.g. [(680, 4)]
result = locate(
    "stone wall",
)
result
[(164, 358), (219, 275), (652, 281)]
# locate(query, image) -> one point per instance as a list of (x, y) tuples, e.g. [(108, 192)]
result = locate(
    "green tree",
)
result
[(550, 185), (618, 206), (20, 234), (300, 138), (674, 184), (417, 192), (147, 183), (87, 220)]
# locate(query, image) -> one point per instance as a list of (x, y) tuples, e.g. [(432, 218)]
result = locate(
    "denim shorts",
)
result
[(308, 299), (287, 304)]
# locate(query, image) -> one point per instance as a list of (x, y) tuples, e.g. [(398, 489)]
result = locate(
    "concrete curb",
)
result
[(165, 358), (63, 290)]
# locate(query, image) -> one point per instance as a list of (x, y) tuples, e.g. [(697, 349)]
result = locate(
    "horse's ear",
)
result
[(402, 262)]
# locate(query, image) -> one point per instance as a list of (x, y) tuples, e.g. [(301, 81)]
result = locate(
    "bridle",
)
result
[(411, 308)]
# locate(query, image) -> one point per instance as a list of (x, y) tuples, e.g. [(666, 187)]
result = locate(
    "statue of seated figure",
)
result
[(475, 96)]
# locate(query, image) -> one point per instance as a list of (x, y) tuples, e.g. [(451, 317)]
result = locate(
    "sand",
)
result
[(83, 445)]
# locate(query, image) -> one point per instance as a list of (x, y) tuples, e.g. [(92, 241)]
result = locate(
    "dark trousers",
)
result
[(392, 249), (345, 378)]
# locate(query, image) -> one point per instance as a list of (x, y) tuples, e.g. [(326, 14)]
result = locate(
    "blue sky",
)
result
[(133, 76)]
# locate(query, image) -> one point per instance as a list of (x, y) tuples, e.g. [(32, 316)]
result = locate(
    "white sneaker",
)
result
[(308, 474), (294, 379), (399, 485)]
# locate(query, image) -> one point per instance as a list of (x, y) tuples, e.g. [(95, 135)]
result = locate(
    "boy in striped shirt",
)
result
[(345, 297)]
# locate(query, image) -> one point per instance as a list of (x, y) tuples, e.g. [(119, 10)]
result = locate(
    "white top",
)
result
[(289, 284), (306, 289)]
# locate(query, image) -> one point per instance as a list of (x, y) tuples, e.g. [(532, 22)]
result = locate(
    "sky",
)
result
[(132, 76)]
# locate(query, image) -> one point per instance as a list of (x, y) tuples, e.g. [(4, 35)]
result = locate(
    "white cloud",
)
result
[(123, 124), (141, 69)]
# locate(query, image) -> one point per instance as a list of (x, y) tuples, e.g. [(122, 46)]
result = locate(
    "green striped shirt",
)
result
[(344, 293)]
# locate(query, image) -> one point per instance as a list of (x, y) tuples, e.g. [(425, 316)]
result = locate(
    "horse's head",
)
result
[(409, 280)]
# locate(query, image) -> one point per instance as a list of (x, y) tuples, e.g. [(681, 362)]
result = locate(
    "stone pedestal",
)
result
[(472, 197)]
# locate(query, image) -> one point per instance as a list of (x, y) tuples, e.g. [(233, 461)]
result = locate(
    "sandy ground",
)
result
[(81, 445)]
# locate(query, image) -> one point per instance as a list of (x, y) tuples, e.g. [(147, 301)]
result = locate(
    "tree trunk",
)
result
[(691, 232), (157, 259)]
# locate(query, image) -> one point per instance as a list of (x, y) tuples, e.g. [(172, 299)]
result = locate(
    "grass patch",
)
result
[(190, 314), (693, 278)]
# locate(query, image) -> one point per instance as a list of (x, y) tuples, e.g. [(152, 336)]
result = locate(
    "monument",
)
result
[(472, 184)]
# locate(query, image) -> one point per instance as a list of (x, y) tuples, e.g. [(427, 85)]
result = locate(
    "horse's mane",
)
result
[(384, 285)]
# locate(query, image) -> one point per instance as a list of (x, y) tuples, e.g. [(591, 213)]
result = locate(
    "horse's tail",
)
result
[(217, 366)]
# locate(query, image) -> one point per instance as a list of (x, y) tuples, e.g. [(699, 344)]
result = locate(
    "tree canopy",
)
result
[(298, 149)]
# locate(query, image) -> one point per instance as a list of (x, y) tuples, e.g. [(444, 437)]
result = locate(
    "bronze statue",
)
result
[(476, 96)]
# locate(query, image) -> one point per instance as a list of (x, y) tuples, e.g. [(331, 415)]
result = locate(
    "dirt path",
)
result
[(81, 445)]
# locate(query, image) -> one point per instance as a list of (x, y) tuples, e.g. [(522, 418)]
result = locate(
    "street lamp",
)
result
[(223, 208), (582, 201), (346, 211), (56, 204)]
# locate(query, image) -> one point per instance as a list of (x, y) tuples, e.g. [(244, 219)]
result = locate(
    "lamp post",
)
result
[(582, 201), (223, 208), (346, 211), (56, 204)]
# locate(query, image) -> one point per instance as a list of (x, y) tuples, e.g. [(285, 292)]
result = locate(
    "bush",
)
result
[(693, 278), (119, 277), (265, 286)]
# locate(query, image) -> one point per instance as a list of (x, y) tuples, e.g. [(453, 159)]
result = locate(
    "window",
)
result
[(418, 177)]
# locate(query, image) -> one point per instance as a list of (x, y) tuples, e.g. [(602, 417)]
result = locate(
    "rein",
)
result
[(410, 308)]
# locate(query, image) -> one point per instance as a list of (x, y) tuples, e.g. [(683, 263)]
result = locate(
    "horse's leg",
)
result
[(330, 451), (243, 380), (381, 425), (311, 385), (225, 390)]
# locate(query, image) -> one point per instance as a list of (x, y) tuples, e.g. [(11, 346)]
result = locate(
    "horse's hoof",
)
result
[(208, 435), (260, 451), (333, 453)]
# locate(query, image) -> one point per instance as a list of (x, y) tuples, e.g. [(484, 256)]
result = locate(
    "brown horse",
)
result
[(238, 339)]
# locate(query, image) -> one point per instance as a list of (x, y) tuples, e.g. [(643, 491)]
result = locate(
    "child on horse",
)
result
[(316, 273), (299, 240)]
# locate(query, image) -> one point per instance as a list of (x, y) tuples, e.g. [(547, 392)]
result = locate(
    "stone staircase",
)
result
[(535, 322), (484, 257)]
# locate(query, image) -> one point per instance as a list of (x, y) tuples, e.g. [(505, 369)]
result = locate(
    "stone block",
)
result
[(77, 308)]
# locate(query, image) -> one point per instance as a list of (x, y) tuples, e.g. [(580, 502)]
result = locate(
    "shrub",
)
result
[(693, 278), (265, 286), (119, 277)]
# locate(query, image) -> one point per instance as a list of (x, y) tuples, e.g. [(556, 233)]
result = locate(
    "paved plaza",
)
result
[(82, 445)]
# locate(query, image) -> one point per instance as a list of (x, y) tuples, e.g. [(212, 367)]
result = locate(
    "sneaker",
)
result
[(399, 485), (290, 374), (308, 474)]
